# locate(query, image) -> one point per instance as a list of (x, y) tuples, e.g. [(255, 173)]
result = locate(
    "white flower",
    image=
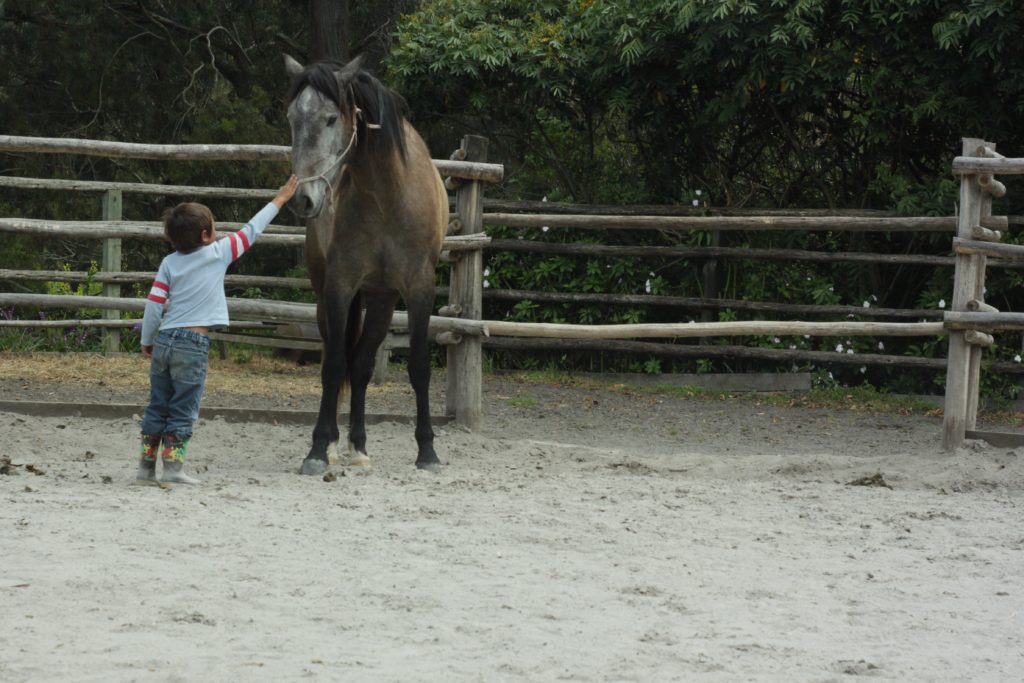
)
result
[(647, 286), (839, 348), (830, 376), (544, 198), (776, 340), (487, 271), (545, 228), (942, 303), (881, 346), (487, 283), (807, 336), (831, 289), (867, 304), (874, 298), (1016, 359), (651, 274), (698, 192), (863, 369), (696, 202), (849, 350), (792, 346)]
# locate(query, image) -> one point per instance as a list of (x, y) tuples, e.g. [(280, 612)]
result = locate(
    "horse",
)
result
[(376, 214)]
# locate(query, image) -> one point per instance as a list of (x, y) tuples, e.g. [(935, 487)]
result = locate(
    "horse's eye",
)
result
[(331, 120)]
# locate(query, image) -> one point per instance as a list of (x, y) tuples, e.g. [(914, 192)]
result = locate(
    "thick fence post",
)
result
[(964, 359), (464, 388), (112, 264)]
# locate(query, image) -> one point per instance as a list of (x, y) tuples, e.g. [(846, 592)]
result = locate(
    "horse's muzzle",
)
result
[(303, 206)]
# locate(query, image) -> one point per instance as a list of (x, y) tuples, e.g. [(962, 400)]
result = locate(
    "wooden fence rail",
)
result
[(968, 324)]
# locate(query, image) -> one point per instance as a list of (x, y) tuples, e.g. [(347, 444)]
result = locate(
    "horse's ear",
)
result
[(291, 67), (350, 70)]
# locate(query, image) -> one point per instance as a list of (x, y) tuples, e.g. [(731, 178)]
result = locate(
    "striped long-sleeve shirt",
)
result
[(189, 288)]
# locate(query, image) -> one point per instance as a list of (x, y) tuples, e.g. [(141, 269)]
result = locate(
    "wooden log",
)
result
[(276, 234), (602, 251), (976, 247), (496, 205), (241, 309), (454, 226), (473, 242), (111, 263), (686, 223), (117, 324), (968, 283), (135, 188), (994, 222), (131, 150), (720, 351), (701, 303), (987, 151), (985, 235), (450, 311), (979, 338), (464, 378), (968, 320), (136, 277), (448, 338), (991, 186), (976, 306), (714, 329), (967, 165)]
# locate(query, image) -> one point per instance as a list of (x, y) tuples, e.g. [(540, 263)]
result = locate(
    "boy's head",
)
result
[(188, 226)]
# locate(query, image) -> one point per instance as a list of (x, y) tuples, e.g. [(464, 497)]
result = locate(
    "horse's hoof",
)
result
[(433, 466), (313, 467), (358, 460)]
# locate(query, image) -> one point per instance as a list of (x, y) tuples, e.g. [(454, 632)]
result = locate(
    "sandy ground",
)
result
[(584, 535)]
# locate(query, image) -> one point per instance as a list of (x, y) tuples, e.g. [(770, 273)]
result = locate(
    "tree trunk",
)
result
[(328, 30)]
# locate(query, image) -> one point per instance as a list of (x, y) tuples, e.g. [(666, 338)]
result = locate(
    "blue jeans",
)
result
[(177, 375)]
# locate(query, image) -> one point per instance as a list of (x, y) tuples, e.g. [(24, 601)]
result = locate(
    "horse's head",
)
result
[(323, 119)]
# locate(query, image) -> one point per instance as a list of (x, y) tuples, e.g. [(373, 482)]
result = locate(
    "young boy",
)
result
[(186, 301)]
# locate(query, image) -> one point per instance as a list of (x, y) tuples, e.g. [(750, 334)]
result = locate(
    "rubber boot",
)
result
[(146, 473), (174, 461)]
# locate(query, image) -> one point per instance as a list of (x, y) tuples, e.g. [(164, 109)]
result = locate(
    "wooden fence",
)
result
[(461, 326)]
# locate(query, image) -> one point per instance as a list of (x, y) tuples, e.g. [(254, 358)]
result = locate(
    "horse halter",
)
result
[(344, 153)]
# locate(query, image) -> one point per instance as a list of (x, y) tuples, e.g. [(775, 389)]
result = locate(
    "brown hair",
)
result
[(185, 224)]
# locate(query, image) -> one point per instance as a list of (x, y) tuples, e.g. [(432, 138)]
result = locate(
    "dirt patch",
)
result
[(584, 534)]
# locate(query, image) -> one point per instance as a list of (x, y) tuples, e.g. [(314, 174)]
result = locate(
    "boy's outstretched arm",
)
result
[(286, 192), (233, 246)]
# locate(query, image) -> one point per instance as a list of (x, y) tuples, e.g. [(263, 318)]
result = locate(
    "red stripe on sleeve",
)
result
[(157, 299), (234, 247), (161, 285), (245, 240)]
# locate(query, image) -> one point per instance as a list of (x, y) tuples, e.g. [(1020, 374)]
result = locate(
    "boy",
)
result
[(186, 301)]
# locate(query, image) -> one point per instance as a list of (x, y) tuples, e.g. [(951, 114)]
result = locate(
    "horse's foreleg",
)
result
[(419, 376), (333, 314), (379, 309)]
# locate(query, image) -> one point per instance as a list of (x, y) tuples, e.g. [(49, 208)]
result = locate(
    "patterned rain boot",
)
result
[(146, 473), (174, 461)]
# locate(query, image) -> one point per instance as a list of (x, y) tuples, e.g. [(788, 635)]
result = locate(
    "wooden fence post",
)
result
[(464, 379), (112, 264), (964, 359)]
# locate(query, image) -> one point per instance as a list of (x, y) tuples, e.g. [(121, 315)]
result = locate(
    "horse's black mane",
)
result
[(380, 105)]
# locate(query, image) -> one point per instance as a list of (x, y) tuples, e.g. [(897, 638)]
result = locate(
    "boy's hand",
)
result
[(286, 192), (147, 351)]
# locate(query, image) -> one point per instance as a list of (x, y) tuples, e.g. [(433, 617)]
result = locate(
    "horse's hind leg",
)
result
[(333, 313), (379, 309), (420, 307)]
